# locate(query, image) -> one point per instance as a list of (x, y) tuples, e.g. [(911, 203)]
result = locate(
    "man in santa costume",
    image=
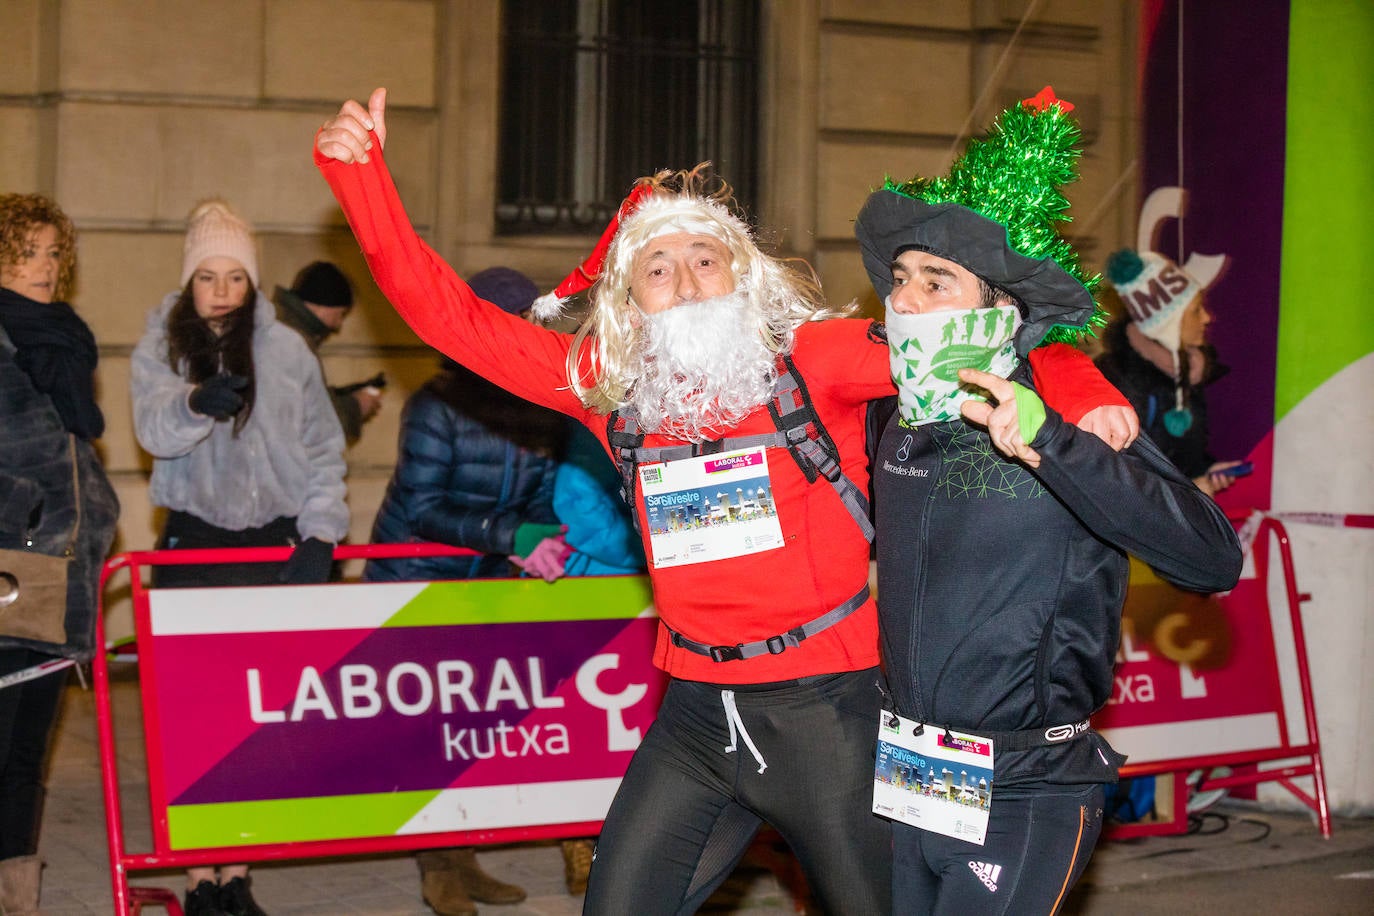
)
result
[(733, 399)]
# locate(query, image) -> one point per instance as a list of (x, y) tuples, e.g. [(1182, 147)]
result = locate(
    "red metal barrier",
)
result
[(122, 862), (1266, 530)]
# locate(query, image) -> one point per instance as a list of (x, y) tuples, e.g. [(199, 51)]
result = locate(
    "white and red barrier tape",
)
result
[(1247, 531)]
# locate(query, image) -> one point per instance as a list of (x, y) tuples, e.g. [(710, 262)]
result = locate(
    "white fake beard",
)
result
[(705, 368)]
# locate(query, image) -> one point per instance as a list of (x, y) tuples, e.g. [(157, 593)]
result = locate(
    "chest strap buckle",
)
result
[(733, 653), (773, 645)]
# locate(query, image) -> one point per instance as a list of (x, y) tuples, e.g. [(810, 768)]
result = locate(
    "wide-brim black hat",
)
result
[(891, 222)]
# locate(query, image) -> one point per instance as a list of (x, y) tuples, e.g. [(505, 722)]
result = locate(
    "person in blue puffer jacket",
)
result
[(476, 469)]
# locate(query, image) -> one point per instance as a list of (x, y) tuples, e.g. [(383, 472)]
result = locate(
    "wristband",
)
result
[(1030, 412)]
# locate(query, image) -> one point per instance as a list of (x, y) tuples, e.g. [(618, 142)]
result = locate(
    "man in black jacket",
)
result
[(319, 300), (1003, 535)]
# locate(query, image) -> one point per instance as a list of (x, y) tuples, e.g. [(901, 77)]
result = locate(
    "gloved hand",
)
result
[(1016, 420), (218, 396), (547, 559), (309, 563), (529, 534)]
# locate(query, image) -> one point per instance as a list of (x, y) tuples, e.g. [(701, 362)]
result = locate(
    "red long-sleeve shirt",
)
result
[(723, 602)]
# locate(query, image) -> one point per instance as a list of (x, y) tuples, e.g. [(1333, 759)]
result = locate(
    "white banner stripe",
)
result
[(1197, 738), (277, 608), (527, 805)]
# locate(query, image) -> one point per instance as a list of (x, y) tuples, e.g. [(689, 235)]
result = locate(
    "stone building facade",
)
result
[(129, 111)]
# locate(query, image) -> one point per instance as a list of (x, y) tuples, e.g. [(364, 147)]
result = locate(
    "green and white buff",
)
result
[(926, 352)]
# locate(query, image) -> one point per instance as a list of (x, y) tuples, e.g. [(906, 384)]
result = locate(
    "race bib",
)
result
[(711, 507), (932, 778)]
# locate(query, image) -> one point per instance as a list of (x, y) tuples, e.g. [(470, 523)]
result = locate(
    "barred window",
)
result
[(596, 93)]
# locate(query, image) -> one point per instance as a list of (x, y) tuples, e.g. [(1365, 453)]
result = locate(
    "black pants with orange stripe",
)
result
[(1039, 840)]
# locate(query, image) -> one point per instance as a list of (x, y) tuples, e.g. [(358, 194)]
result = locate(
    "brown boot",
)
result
[(577, 863), (481, 886), (19, 885), (442, 886)]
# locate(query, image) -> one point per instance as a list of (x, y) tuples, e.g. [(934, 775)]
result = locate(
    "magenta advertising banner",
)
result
[(1195, 676), (362, 710)]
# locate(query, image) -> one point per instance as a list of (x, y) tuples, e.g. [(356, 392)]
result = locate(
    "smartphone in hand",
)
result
[(1240, 470)]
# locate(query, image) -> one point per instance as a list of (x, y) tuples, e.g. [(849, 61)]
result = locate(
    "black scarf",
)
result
[(57, 351)]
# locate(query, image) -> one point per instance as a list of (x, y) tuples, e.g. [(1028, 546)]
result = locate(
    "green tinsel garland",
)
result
[(1013, 176)]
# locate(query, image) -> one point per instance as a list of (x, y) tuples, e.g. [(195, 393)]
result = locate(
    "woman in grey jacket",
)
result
[(247, 450)]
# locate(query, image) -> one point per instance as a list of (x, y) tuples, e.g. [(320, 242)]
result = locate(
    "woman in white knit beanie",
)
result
[(1158, 356), (247, 450)]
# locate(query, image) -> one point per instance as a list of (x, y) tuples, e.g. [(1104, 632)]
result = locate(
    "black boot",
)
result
[(204, 900), (236, 899)]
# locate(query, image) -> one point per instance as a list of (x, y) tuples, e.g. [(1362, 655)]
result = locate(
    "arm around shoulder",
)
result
[(1069, 382)]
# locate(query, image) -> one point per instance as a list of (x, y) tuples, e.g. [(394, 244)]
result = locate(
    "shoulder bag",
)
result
[(33, 585)]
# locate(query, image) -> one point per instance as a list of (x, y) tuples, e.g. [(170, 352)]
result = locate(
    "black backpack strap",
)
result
[(876, 418), (810, 445), (875, 421), (626, 440)]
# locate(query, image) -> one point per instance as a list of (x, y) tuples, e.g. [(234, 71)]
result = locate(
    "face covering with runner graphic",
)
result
[(926, 352)]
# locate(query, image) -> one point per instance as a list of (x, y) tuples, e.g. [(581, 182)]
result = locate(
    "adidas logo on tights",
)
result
[(987, 873)]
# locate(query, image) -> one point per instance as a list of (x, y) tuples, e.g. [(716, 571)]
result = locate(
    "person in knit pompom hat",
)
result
[(247, 451), (704, 359), (1157, 294), (995, 668), (213, 229), (1158, 355)]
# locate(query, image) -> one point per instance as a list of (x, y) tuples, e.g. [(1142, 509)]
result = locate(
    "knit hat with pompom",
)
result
[(214, 230)]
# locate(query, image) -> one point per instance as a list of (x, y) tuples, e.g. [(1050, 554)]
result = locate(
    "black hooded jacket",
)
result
[(1000, 588)]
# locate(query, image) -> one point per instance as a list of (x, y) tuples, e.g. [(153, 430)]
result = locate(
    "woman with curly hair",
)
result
[(54, 500)]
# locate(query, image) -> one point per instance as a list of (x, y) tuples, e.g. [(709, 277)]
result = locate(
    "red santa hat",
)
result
[(653, 208), (550, 305)]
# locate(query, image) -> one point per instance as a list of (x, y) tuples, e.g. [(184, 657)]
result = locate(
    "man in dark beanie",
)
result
[(316, 305)]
